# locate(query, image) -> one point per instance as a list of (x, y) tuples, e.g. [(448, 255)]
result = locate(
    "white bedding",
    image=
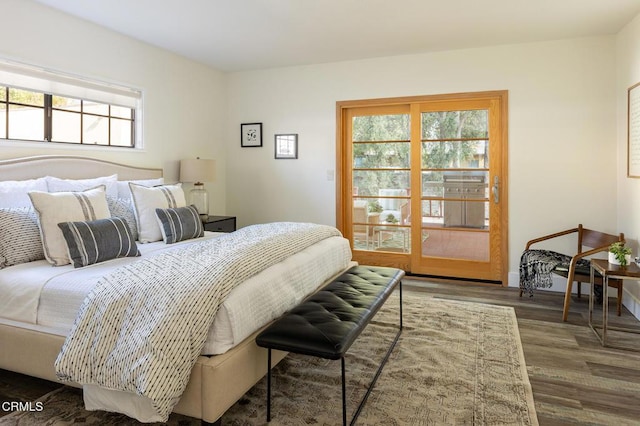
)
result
[(39, 294)]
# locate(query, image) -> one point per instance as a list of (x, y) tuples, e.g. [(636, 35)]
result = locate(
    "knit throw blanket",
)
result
[(536, 267), (143, 326)]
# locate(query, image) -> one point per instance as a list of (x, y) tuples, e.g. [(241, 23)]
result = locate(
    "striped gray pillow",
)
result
[(180, 223), (98, 240)]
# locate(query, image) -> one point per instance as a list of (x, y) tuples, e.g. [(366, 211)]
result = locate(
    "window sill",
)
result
[(16, 143)]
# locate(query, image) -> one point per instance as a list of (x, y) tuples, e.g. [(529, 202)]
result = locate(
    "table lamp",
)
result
[(198, 171)]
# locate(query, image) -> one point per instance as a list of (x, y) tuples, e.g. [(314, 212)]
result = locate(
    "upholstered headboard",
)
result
[(70, 167)]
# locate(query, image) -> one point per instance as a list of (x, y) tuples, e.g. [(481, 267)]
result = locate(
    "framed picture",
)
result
[(250, 135), (633, 131), (287, 146)]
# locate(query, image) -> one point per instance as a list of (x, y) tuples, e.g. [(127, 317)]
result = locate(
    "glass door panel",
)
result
[(381, 182), (455, 191)]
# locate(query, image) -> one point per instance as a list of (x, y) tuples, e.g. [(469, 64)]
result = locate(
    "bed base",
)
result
[(33, 353), (216, 382)]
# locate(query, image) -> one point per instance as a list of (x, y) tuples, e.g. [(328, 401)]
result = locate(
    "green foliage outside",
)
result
[(441, 149), (26, 97), (36, 99), (451, 125), (383, 129)]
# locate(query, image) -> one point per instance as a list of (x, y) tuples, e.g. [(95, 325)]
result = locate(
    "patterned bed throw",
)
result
[(143, 326)]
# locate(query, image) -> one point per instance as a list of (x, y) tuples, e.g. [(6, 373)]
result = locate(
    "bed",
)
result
[(229, 363)]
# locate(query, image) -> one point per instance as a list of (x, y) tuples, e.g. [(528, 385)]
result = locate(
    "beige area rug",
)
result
[(455, 363)]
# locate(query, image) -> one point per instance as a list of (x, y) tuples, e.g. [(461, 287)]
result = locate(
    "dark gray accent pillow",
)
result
[(180, 223), (98, 240)]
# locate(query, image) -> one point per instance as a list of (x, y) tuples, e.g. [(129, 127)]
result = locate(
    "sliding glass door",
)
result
[(422, 183)]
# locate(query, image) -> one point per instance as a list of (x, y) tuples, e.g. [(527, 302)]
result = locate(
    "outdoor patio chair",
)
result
[(364, 221)]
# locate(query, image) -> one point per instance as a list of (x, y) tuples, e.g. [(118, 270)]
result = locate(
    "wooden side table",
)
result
[(608, 270)]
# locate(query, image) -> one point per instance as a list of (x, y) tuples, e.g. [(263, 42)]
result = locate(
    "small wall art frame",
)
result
[(251, 135), (286, 146)]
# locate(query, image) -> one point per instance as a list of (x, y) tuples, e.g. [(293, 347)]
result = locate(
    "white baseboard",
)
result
[(560, 284), (631, 303)]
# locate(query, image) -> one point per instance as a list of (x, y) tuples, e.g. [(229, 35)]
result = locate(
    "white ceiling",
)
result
[(233, 35)]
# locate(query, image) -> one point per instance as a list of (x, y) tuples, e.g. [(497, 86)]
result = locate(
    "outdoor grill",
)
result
[(463, 186)]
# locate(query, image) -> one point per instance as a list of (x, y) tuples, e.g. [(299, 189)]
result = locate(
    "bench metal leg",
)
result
[(269, 386), (379, 371), (400, 289), (344, 395)]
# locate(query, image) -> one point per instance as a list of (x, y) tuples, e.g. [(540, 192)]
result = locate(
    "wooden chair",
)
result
[(590, 242)]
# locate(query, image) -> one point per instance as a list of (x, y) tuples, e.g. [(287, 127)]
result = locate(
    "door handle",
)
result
[(496, 189)]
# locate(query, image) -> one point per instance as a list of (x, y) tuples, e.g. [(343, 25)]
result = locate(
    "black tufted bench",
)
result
[(328, 322)]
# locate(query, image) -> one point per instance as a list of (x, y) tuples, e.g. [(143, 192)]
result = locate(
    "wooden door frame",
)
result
[(343, 216)]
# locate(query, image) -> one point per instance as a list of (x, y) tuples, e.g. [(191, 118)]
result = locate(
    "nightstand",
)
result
[(220, 223)]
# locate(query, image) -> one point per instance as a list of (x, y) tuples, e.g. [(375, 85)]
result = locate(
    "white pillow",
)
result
[(56, 207), (14, 193), (125, 192), (75, 185), (147, 200)]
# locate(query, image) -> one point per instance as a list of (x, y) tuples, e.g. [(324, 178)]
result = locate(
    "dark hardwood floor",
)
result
[(575, 380)]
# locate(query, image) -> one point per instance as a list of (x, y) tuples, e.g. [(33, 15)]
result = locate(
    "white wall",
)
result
[(562, 131), (184, 102), (562, 108), (628, 207)]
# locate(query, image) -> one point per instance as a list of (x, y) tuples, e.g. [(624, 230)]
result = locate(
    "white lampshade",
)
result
[(197, 170)]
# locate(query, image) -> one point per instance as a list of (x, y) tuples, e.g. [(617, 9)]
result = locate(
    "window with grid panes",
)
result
[(45, 106)]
